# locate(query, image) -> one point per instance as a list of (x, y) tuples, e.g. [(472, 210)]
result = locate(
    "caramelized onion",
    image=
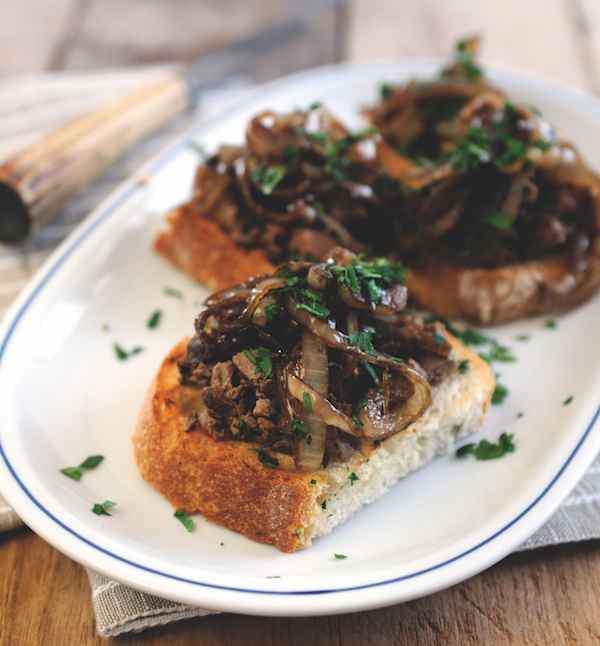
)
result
[(316, 382), (379, 423), (286, 339)]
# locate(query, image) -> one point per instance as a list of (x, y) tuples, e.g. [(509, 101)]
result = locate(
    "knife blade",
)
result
[(36, 183)]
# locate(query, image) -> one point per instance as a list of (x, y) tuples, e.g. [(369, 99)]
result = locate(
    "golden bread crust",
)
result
[(202, 250), (223, 480)]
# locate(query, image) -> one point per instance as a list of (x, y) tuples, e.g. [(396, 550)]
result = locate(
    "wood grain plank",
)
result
[(29, 30), (546, 596), (536, 36), (183, 30), (586, 19)]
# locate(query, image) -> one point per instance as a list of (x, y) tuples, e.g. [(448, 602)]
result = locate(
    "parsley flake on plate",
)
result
[(487, 450), (500, 394), (185, 520), (100, 509), (123, 355), (89, 463), (170, 291), (154, 319)]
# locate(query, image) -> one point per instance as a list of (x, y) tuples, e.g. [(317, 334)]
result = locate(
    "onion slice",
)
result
[(321, 406), (375, 424), (379, 422), (316, 383)]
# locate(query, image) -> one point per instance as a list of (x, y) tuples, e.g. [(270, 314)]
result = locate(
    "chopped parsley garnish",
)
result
[(105, 327), (335, 152), (306, 298), (469, 336), (364, 342), (313, 482), (340, 556), (486, 450), (357, 421), (293, 154), (170, 291), (523, 337), (186, 521), (551, 325), (299, 429), (89, 463), (307, 401), (463, 366), (470, 151), (542, 144), (100, 509), (496, 146), (320, 136), (267, 460), (385, 90), (200, 150), (262, 361), (270, 310), (369, 368), (568, 400), (370, 277), (495, 218), (123, 355), (464, 62), (154, 319), (325, 459), (313, 307), (324, 505), (263, 457), (498, 353), (353, 478), (361, 404), (266, 445), (268, 177), (500, 394)]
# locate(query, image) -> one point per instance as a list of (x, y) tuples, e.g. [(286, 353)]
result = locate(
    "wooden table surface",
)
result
[(546, 596)]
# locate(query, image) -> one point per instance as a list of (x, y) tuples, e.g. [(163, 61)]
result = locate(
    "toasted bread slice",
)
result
[(225, 481), (202, 250), (484, 296)]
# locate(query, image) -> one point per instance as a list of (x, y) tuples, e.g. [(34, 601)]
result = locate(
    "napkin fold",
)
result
[(120, 609), (8, 519), (34, 104)]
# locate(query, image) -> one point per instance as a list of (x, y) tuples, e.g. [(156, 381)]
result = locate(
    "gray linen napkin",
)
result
[(31, 106)]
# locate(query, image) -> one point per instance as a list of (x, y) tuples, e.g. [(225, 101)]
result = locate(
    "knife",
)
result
[(37, 182)]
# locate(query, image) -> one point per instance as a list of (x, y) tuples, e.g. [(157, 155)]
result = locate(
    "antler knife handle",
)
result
[(37, 182)]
